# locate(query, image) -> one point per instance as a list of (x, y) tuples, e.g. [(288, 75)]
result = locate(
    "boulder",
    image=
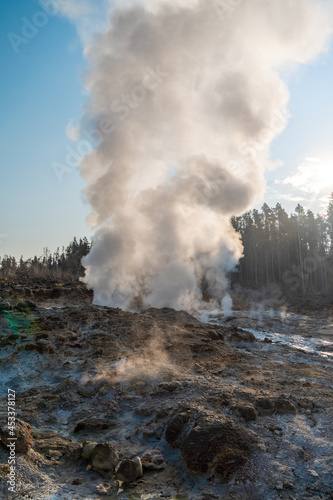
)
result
[(209, 443), (242, 336), (22, 433), (169, 386), (265, 406), (87, 449), (104, 456), (283, 405), (247, 412), (129, 470)]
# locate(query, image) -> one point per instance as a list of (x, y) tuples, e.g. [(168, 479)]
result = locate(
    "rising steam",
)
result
[(185, 98)]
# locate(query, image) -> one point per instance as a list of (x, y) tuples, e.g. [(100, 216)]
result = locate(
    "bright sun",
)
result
[(312, 176)]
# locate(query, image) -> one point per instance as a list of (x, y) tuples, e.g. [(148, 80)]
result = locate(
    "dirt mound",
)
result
[(172, 316), (209, 442)]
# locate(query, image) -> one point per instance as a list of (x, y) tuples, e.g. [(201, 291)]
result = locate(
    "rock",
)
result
[(247, 412), (87, 449), (129, 470), (144, 411), (23, 434), (54, 455), (87, 391), (312, 473), (211, 443), (265, 406), (242, 336), (93, 423), (51, 442), (77, 481), (106, 489), (169, 386), (230, 462), (31, 305), (176, 426), (73, 450), (153, 460), (4, 306), (104, 456), (284, 406), (22, 307), (150, 430)]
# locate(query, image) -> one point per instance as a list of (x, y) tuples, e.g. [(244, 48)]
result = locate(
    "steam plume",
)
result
[(185, 98)]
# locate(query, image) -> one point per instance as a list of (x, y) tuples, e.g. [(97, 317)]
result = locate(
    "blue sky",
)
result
[(41, 91)]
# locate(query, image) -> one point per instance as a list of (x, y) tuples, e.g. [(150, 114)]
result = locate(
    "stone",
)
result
[(176, 426), (87, 391), (284, 406), (106, 489), (77, 481), (242, 336), (144, 411), (87, 449), (312, 473), (153, 460), (247, 412), (22, 307), (129, 470), (209, 443), (230, 461), (104, 456), (169, 386), (51, 442), (23, 434), (265, 406), (73, 450), (31, 305)]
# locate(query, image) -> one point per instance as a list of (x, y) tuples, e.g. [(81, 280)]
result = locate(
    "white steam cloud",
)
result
[(185, 98)]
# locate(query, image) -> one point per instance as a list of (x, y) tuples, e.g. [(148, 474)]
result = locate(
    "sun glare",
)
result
[(312, 176)]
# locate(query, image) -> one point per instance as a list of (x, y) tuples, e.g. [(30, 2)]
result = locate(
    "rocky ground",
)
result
[(112, 404)]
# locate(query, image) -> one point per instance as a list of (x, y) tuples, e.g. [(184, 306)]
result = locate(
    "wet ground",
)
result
[(307, 334)]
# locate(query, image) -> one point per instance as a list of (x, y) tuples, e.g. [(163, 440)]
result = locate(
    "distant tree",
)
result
[(64, 265)]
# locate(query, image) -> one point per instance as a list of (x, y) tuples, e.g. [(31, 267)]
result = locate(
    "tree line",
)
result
[(294, 251), (62, 264)]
